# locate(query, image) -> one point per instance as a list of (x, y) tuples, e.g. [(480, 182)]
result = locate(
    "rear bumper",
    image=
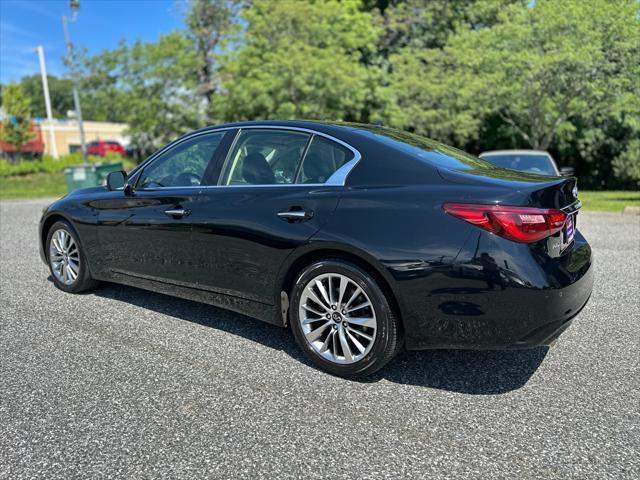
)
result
[(497, 295)]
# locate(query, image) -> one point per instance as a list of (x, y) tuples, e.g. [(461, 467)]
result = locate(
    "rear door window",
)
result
[(264, 157)]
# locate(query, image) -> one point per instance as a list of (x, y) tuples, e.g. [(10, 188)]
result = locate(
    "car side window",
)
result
[(323, 158), (264, 157), (183, 165)]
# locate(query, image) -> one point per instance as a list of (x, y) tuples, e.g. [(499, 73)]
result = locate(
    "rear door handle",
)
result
[(297, 215), (177, 212)]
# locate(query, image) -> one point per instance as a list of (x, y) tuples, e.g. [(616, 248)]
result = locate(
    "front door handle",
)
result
[(177, 212), (295, 215)]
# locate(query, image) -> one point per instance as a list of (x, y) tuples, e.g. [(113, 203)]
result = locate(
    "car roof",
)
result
[(514, 152)]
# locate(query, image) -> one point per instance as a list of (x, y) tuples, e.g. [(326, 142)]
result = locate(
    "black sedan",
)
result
[(362, 239)]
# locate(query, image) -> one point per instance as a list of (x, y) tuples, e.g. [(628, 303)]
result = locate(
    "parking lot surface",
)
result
[(125, 383)]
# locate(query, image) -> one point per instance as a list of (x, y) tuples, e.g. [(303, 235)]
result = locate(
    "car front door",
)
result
[(272, 196), (147, 231)]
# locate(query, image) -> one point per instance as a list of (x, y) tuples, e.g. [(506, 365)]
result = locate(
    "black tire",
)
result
[(83, 281), (388, 336)]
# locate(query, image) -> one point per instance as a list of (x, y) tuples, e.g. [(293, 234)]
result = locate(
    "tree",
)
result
[(16, 128), (420, 24), (210, 25), (299, 59), (158, 86), (59, 92), (150, 86), (556, 75)]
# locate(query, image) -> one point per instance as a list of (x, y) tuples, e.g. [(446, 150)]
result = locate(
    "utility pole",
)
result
[(75, 6), (47, 101)]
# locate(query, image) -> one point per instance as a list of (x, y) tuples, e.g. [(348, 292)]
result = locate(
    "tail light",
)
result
[(520, 224)]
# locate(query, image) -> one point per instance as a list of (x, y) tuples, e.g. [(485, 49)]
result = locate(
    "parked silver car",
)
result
[(532, 161)]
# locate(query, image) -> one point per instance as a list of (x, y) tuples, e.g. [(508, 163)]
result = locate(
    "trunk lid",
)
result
[(509, 187)]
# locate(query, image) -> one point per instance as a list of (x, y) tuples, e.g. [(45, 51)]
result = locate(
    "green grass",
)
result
[(43, 178), (34, 185), (609, 201)]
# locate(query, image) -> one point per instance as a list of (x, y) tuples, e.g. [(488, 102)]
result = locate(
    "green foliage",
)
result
[(299, 60), (419, 24), (15, 129), (48, 164), (150, 86), (627, 165), (59, 92)]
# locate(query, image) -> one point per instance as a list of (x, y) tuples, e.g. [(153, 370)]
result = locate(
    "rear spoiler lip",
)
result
[(572, 208)]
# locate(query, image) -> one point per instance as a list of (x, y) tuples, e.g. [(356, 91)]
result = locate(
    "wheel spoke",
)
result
[(354, 295), (73, 269), (56, 244), (358, 307), (313, 310), (346, 349), (315, 298), (358, 332), (355, 341), (341, 289), (323, 292), (317, 333), (363, 321), (307, 321), (327, 341)]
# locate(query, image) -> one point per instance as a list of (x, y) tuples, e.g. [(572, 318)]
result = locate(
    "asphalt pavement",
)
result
[(123, 383)]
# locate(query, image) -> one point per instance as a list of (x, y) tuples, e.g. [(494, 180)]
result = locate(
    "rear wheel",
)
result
[(342, 320), (66, 259)]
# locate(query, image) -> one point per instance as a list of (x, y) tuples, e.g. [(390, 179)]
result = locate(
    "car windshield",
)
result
[(523, 162)]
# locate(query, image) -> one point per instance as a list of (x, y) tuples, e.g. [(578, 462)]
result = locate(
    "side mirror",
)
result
[(117, 180), (567, 171)]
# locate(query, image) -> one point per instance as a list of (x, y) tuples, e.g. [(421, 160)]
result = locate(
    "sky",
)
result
[(100, 24)]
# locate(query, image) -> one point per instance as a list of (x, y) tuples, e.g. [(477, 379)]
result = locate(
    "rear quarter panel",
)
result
[(404, 232)]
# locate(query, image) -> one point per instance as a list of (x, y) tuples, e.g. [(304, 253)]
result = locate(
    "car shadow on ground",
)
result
[(463, 371)]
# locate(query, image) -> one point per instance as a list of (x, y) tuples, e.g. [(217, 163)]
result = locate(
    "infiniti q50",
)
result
[(361, 239)]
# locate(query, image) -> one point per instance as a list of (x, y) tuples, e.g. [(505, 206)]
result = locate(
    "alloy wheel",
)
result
[(337, 318), (64, 257)]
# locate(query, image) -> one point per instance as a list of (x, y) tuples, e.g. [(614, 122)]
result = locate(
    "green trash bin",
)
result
[(92, 175)]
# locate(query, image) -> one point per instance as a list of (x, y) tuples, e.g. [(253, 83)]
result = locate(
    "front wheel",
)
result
[(66, 259), (342, 319)]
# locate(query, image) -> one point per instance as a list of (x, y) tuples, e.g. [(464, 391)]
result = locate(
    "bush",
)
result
[(49, 164)]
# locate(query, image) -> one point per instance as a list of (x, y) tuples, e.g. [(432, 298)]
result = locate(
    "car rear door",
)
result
[(147, 233), (273, 194)]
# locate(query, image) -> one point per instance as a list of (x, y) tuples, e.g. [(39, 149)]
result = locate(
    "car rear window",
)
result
[(424, 148)]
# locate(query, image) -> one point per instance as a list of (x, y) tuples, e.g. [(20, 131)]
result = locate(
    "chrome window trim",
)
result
[(338, 178)]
